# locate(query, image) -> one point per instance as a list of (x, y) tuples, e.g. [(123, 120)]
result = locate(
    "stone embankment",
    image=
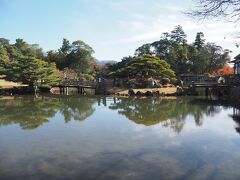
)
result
[(168, 91)]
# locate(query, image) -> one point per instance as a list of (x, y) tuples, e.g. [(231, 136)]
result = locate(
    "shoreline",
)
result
[(164, 91)]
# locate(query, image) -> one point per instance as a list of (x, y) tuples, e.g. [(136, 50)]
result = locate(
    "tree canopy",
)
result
[(198, 57), (143, 67), (23, 62), (162, 59), (76, 55), (29, 64), (29, 70)]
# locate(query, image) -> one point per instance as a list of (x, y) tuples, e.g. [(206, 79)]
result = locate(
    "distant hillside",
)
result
[(103, 62)]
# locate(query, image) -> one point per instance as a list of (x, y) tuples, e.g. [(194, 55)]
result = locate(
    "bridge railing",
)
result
[(205, 83), (78, 83)]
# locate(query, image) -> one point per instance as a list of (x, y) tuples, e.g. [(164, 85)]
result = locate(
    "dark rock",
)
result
[(131, 92), (139, 93), (156, 93), (148, 93)]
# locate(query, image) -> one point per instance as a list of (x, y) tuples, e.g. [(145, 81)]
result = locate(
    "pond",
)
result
[(90, 137)]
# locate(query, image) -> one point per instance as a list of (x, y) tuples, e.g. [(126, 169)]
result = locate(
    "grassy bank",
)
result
[(9, 84)]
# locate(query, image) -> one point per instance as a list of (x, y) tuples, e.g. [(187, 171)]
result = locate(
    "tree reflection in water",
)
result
[(236, 117), (169, 112), (30, 112), (234, 105), (77, 108)]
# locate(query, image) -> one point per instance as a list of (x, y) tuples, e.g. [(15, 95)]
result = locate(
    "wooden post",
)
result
[(104, 101), (206, 91), (67, 90), (193, 88), (99, 101)]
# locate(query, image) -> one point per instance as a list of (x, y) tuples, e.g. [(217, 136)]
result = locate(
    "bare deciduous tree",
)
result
[(229, 9)]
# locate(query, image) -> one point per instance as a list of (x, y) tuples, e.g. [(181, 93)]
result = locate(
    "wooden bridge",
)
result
[(220, 88), (76, 83), (99, 86), (208, 85), (80, 85)]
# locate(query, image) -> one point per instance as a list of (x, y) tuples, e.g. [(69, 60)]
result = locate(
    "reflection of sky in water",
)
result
[(107, 145)]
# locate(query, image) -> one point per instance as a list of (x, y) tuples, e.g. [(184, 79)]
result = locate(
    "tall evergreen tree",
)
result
[(199, 41)]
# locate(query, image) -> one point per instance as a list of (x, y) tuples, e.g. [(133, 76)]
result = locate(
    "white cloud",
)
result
[(142, 29), (135, 23)]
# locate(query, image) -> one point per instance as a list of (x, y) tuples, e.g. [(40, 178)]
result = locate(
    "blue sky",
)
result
[(114, 28)]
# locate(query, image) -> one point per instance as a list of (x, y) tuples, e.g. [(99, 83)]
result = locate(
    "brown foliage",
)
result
[(226, 70)]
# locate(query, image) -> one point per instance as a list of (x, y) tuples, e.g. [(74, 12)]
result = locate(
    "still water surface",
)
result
[(74, 137)]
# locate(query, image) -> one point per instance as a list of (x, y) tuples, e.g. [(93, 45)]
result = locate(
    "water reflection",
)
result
[(76, 108), (169, 112), (108, 145), (30, 112), (236, 117)]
